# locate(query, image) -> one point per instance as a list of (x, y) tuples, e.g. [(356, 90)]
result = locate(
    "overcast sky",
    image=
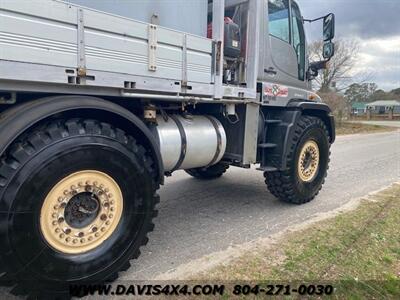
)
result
[(375, 23)]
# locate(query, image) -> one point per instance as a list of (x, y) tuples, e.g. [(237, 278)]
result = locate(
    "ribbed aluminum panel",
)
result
[(46, 32), (184, 15)]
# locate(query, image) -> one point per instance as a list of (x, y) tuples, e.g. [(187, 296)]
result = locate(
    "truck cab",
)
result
[(284, 53), (287, 72), (283, 67)]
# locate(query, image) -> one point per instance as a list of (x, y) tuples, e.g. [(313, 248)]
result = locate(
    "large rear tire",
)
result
[(77, 199), (307, 163), (211, 172)]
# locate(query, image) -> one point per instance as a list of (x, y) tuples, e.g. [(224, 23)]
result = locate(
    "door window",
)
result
[(278, 14), (298, 39)]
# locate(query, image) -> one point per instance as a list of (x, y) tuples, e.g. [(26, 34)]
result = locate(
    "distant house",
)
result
[(384, 106), (358, 108)]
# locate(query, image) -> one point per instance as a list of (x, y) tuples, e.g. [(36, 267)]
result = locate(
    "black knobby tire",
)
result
[(29, 169), (211, 172), (287, 185)]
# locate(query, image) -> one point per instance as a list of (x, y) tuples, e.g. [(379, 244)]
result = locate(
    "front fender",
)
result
[(316, 109), (282, 133)]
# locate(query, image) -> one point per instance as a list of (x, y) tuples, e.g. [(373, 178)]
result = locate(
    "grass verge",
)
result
[(358, 252), (353, 128)]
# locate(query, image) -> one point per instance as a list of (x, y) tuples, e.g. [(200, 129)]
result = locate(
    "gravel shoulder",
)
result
[(346, 128)]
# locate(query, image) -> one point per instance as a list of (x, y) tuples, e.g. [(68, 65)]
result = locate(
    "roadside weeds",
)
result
[(357, 251)]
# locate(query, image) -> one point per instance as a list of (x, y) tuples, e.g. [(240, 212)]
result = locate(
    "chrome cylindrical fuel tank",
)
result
[(190, 141)]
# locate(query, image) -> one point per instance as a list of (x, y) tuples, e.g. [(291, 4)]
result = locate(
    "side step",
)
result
[(267, 169), (273, 121), (267, 146)]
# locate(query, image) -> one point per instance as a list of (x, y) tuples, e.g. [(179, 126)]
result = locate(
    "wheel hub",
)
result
[(308, 161), (81, 212)]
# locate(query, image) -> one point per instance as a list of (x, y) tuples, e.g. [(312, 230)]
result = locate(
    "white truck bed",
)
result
[(54, 42)]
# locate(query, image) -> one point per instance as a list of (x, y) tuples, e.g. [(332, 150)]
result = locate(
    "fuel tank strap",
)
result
[(183, 143), (219, 140)]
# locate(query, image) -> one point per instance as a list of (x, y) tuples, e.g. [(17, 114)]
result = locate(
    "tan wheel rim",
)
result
[(81, 212), (308, 161)]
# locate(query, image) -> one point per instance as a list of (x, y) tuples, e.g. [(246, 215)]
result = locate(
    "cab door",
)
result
[(285, 52)]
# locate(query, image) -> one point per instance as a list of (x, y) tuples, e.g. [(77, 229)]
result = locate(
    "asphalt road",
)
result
[(200, 217)]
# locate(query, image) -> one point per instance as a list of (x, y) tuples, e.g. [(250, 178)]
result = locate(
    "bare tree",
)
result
[(337, 103), (338, 71)]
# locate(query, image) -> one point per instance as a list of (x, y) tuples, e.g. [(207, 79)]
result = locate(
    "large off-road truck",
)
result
[(96, 108)]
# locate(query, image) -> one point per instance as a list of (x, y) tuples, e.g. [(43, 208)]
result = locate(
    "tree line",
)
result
[(343, 83), (368, 92)]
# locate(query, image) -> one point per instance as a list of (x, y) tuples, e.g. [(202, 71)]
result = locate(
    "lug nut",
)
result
[(103, 217), (67, 231), (60, 220), (81, 234), (94, 229), (63, 205)]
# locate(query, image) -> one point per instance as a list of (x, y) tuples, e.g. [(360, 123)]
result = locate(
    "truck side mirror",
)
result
[(314, 67), (328, 50), (329, 27)]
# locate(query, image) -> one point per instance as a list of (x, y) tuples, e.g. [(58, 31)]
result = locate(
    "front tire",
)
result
[(307, 163), (77, 200)]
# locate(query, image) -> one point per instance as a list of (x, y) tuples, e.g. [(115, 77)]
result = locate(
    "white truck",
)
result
[(96, 108)]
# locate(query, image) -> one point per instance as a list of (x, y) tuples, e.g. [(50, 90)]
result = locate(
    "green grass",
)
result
[(358, 252)]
